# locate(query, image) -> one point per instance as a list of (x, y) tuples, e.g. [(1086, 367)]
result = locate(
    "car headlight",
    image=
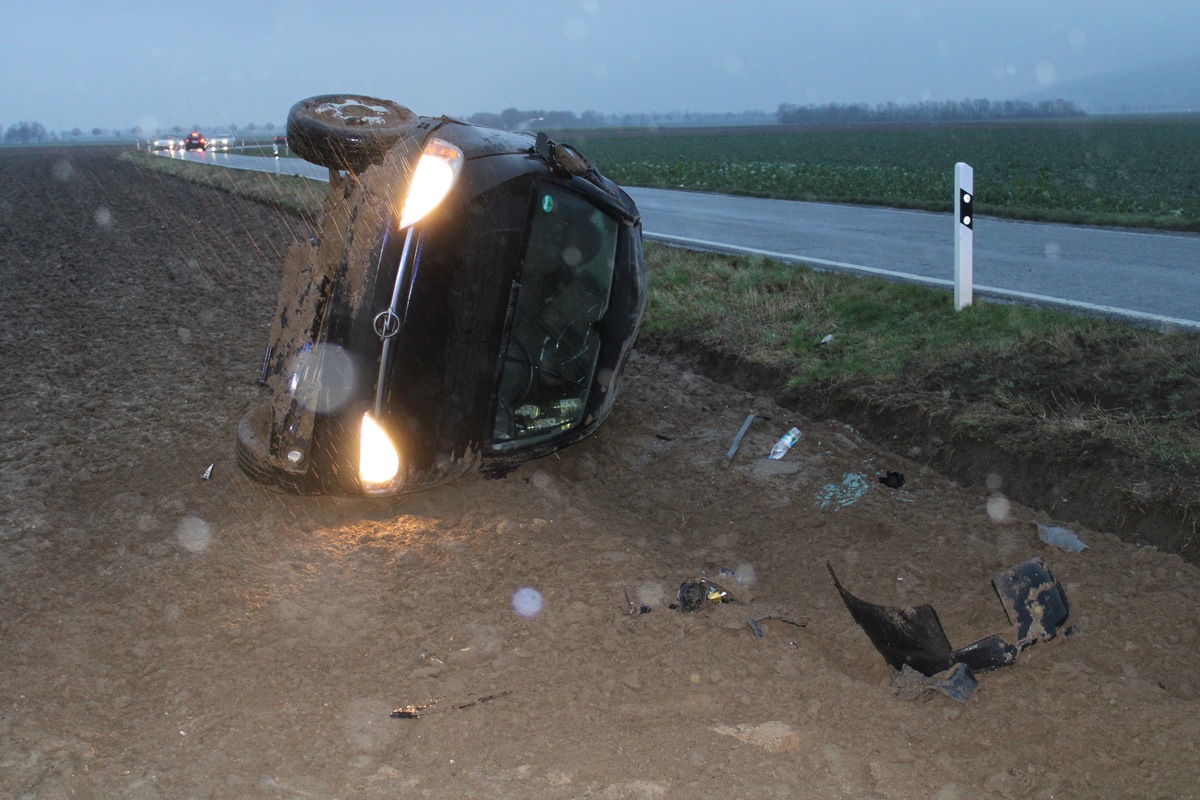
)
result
[(378, 460), (435, 173)]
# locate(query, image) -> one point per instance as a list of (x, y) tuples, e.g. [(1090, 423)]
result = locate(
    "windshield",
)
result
[(562, 293)]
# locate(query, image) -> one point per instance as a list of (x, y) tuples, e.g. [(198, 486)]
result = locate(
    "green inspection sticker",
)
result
[(547, 203)]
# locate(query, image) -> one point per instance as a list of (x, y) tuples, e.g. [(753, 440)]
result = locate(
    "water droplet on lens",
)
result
[(527, 602), (193, 534)]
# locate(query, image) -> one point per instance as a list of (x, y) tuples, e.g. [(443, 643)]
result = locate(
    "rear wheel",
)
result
[(346, 131)]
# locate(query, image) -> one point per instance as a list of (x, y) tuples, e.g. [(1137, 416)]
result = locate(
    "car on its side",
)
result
[(195, 141), (469, 303)]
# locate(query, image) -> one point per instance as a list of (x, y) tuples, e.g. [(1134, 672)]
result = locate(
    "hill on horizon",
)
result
[(1170, 86)]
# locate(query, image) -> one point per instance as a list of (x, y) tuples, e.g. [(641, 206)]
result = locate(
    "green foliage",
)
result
[(781, 314), (1101, 171), (1011, 365)]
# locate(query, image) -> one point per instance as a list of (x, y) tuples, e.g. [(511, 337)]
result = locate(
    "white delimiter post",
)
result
[(964, 215)]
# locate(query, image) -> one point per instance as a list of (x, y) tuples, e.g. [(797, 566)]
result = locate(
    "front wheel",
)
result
[(346, 131)]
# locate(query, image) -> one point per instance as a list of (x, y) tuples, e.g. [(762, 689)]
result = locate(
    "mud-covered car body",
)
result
[(486, 329)]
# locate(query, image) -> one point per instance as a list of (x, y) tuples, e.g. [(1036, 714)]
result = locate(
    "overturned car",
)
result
[(469, 303)]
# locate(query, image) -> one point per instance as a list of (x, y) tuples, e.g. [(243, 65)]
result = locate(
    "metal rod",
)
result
[(737, 440), (385, 356)]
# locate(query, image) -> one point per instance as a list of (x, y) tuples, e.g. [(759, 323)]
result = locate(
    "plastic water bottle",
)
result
[(783, 445)]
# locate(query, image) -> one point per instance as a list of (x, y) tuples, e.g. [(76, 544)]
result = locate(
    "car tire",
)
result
[(346, 131)]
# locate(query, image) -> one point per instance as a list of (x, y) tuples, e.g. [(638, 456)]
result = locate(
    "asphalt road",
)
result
[(1141, 275)]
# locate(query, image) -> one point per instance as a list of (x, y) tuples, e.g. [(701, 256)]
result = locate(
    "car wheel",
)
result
[(346, 131)]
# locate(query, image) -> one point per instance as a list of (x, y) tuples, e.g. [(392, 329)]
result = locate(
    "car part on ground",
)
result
[(469, 303), (913, 637)]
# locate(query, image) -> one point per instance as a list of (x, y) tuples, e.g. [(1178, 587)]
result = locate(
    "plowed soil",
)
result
[(167, 636)]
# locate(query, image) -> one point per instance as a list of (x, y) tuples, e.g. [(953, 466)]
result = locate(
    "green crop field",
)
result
[(1111, 171)]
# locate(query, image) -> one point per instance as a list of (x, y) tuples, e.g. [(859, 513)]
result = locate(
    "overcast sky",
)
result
[(211, 63)]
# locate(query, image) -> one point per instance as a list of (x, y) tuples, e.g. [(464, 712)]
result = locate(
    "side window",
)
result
[(564, 285)]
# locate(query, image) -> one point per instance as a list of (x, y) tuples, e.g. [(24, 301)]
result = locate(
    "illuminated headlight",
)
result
[(431, 181), (378, 460)]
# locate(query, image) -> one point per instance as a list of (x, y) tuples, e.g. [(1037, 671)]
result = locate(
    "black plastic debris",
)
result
[(957, 683), (986, 654), (913, 638), (903, 636), (636, 608), (1033, 601), (892, 480), (694, 593)]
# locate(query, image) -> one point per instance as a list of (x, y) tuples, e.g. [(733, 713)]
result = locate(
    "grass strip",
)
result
[(1051, 371), (287, 192)]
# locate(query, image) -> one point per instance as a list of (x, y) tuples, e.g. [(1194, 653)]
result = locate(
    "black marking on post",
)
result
[(966, 209)]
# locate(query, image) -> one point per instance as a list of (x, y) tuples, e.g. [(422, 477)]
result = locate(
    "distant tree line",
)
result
[(514, 119), (535, 119), (27, 133), (928, 111)]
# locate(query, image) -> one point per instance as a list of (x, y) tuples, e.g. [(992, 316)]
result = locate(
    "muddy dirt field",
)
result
[(165, 636)]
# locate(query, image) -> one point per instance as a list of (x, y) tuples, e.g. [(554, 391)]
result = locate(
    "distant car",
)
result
[(220, 141), (470, 303), (195, 141)]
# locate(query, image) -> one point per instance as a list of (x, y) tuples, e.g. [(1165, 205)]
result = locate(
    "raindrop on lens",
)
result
[(527, 602), (62, 170), (572, 256), (999, 508), (193, 534), (575, 29), (745, 574), (325, 378)]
